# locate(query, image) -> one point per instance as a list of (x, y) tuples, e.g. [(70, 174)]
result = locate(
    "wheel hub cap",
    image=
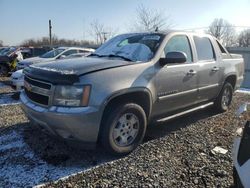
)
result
[(126, 129)]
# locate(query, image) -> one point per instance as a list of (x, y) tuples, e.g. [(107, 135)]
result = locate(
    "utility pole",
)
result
[(217, 32), (104, 36), (50, 37)]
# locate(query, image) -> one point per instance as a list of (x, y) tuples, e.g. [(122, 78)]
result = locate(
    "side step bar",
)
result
[(185, 112)]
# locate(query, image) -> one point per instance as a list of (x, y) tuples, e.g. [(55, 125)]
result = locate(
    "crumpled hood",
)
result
[(80, 66), (68, 71)]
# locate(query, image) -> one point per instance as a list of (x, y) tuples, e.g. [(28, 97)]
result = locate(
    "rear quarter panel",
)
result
[(233, 66)]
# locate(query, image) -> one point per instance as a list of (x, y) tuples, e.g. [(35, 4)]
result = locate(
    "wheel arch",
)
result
[(140, 96), (231, 78)]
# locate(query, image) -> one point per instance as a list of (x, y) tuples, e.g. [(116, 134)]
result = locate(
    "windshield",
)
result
[(8, 51), (52, 53), (133, 47)]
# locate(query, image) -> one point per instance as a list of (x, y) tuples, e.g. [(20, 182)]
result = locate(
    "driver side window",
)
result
[(179, 43)]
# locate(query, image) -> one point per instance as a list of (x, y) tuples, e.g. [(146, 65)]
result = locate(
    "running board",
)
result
[(185, 112)]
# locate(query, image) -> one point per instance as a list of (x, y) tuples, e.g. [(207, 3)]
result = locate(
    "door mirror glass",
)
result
[(173, 57)]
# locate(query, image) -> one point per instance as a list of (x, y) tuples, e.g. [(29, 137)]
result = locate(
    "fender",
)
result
[(227, 75), (129, 91)]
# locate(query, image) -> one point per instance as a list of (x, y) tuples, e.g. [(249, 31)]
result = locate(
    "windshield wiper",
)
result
[(111, 55), (120, 56), (94, 54)]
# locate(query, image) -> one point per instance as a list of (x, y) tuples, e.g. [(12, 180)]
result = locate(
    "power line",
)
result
[(233, 26)]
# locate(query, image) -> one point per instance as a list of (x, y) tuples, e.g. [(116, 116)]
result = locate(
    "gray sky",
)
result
[(24, 19)]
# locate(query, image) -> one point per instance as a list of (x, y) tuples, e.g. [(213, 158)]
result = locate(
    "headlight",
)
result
[(71, 95)]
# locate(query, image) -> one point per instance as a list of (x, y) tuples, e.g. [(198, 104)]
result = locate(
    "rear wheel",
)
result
[(124, 128), (224, 99), (3, 70)]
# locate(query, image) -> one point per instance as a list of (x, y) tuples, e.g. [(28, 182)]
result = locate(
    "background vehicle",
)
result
[(241, 153), (78, 55), (58, 53), (130, 81), (2, 49), (17, 78), (8, 60), (29, 52)]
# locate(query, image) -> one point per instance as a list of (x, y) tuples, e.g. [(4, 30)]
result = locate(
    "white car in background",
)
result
[(58, 53), (17, 78)]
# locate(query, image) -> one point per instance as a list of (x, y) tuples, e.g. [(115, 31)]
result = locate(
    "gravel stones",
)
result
[(176, 153)]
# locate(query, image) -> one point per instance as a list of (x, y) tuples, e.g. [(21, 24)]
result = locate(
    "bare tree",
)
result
[(244, 38), (44, 41), (150, 20), (1, 43), (100, 32), (224, 31)]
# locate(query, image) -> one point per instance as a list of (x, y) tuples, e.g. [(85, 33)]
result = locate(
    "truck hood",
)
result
[(68, 71)]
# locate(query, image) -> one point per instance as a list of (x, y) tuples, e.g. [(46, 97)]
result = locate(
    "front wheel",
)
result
[(124, 128), (224, 99)]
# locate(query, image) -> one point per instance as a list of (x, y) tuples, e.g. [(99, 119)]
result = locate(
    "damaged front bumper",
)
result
[(73, 124)]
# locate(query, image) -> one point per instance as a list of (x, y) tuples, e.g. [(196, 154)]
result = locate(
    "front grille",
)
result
[(37, 83), (41, 99), (37, 91)]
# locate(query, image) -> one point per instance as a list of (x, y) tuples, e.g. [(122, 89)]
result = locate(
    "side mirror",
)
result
[(173, 57)]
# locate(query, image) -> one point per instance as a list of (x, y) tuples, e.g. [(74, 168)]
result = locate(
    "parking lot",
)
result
[(174, 154)]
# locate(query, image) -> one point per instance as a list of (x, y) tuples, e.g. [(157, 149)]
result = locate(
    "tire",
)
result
[(237, 182), (224, 99), (124, 129), (3, 70)]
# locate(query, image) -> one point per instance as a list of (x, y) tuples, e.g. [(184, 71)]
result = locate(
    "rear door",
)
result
[(209, 69), (176, 83)]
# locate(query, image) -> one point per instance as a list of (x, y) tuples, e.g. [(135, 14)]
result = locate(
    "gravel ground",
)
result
[(29, 157), (5, 84), (174, 154), (8, 96)]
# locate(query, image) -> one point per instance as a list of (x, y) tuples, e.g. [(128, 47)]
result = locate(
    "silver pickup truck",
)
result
[(130, 81)]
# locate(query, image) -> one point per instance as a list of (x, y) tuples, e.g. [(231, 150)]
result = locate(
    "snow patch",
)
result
[(22, 167), (6, 99), (243, 90), (2, 85)]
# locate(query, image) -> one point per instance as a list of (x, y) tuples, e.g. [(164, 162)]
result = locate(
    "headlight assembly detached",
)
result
[(72, 95)]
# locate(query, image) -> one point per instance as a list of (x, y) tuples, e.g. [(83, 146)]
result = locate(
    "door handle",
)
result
[(191, 73), (215, 69)]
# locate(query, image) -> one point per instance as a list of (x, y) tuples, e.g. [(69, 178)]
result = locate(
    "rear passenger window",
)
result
[(179, 43), (204, 49)]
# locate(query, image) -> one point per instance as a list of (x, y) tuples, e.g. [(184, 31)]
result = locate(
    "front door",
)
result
[(176, 83)]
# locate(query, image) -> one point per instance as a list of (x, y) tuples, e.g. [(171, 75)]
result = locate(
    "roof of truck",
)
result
[(172, 31)]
